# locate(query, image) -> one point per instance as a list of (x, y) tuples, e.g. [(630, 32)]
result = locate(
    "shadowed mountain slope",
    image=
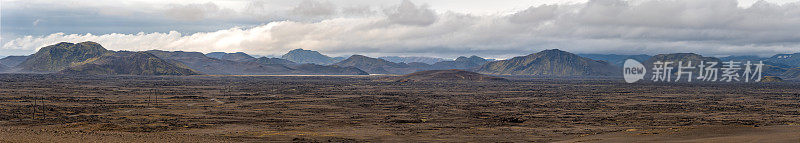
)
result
[(13, 61)]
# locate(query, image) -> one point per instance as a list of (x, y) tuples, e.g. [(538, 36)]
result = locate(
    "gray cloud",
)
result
[(192, 12), (711, 27), (409, 14), (535, 14), (314, 9), (718, 21), (362, 10)]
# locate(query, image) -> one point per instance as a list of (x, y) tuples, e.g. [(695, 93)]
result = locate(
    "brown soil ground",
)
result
[(55, 108)]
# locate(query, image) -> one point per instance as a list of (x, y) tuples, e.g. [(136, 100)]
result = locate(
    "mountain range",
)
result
[(261, 66), (92, 58)]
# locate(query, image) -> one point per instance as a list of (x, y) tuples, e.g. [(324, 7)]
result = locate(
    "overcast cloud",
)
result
[(411, 28)]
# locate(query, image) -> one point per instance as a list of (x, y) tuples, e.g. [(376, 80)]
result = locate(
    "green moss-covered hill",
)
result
[(60, 56)]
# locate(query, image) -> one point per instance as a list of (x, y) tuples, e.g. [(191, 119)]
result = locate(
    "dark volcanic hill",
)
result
[(13, 61), (460, 63), (57, 57), (128, 63), (238, 56), (376, 66), (551, 63), (444, 75), (307, 56)]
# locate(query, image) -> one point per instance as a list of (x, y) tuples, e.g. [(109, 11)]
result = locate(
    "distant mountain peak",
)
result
[(301, 49), (472, 58), (551, 62), (553, 51), (308, 56)]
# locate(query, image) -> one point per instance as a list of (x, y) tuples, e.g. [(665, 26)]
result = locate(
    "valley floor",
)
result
[(56, 108)]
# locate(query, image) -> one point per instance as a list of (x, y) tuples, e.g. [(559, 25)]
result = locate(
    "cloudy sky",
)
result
[(441, 28)]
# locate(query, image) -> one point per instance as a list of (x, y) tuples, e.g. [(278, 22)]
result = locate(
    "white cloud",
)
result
[(712, 27)]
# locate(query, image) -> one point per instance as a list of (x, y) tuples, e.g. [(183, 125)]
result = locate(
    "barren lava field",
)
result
[(59, 108)]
